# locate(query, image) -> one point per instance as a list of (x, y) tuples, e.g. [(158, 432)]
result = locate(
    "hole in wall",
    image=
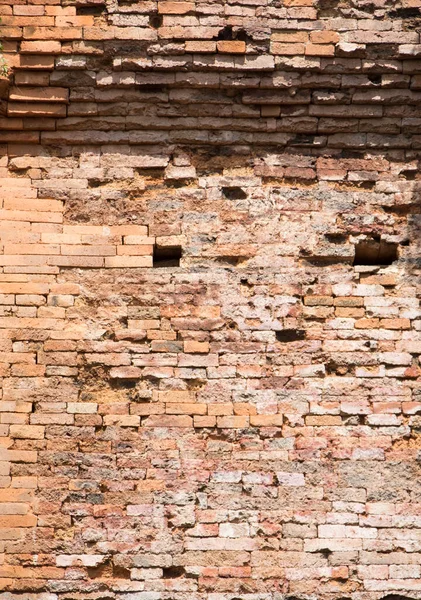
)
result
[(123, 384), (374, 251), (156, 21), (409, 174), (152, 89), (405, 13), (94, 11), (226, 33), (166, 256), (234, 193), (290, 335), (303, 139), (243, 36), (121, 572), (376, 79), (336, 238), (328, 8), (396, 597), (351, 154), (173, 572)]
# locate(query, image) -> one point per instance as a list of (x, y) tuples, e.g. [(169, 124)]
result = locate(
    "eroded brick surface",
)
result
[(209, 300)]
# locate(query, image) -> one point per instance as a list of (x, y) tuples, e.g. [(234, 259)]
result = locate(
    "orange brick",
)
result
[(23, 494), (40, 204), (232, 422), (220, 409), (318, 300), (24, 288), (387, 279), (178, 396), (23, 456), (199, 46), (287, 49), (128, 261), (52, 33), (19, 572), (74, 21), (319, 50), (28, 10), (199, 421), (266, 420), (31, 249), (73, 250), (356, 313), (243, 408), (23, 370), (77, 261), (175, 8), (33, 432), (11, 33), (49, 47), (60, 10), (231, 47), (324, 37), (17, 357), (395, 323), (129, 230), (299, 2), (25, 484), (323, 421), (173, 408), (28, 21), (290, 37), (134, 250), (168, 421), (31, 215), (367, 324), (191, 346), (349, 301)]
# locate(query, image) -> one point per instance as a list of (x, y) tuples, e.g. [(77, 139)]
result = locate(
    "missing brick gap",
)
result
[(234, 193), (290, 335), (173, 572), (375, 251), (166, 256), (156, 20), (375, 78), (226, 33), (90, 10)]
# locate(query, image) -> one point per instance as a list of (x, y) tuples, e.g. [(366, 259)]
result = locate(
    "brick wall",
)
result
[(209, 300)]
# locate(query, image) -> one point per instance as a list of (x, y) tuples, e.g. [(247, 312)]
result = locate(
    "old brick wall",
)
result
[(242, 423)]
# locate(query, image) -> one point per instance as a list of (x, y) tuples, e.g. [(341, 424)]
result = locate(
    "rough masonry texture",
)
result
[(210, 326)]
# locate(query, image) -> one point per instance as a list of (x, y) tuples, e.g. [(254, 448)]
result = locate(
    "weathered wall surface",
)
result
[(244, 424)]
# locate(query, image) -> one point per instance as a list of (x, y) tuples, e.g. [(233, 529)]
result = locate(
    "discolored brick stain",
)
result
[(209, 300)]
